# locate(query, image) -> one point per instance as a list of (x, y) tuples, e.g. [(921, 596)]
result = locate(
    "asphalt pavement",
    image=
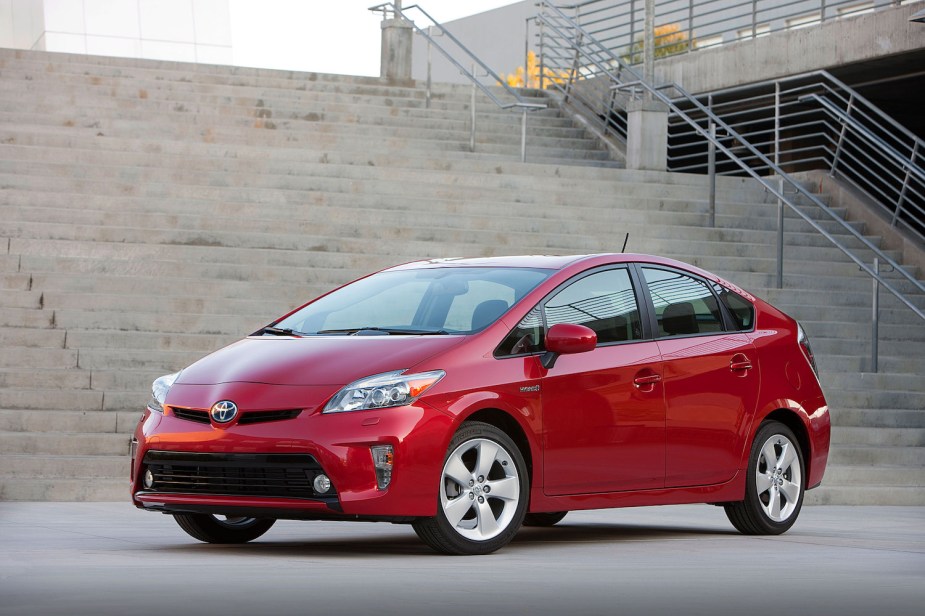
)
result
[(108, 558)]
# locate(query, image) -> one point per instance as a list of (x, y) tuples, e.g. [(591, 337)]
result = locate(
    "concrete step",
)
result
[(898, 476), (28, 377), (26, 317), (32, 337), (891, 437), (866, 495), (24, 466), (58, 110), (877, 455), (64, 443), (91, 422), (39, 398), (878, 418), (75, 490), (19, 357)]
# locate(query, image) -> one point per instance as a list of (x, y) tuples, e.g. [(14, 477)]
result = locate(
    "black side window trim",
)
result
[(641, 305), (728, 321)]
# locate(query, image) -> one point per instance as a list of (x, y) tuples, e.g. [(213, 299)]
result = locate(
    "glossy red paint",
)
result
[(567, 338), (653, 421)]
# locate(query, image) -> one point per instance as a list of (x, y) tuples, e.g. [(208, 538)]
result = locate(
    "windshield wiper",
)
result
[(277, 331), (383, 331)]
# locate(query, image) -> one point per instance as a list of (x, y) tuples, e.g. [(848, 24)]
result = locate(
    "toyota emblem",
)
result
[(224, 411)]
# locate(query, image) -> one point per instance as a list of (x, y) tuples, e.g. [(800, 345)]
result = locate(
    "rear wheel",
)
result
[(222, 529), (774, 485), (544, 519), (483, 493)]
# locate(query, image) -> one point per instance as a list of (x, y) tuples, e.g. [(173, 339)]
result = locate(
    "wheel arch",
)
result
[(792, 420), (508, 424)]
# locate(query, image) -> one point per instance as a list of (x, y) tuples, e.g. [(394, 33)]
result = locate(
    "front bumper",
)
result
[(339, 444)]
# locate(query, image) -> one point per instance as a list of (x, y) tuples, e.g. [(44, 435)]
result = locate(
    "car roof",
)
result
[(572, 263), (553, 262)]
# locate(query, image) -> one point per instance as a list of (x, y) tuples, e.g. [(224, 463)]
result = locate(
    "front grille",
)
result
[(247, 417), (282, 475), (192, 415), (253, 417)]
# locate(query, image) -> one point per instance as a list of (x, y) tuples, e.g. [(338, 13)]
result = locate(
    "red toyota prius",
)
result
[(469, 397)]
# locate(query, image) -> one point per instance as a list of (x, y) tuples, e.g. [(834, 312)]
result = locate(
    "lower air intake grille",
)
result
[(281, 475)]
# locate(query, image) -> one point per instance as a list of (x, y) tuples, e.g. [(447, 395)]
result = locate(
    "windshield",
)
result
[(452, 300)]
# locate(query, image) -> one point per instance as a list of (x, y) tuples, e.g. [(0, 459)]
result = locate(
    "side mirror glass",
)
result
[(566, 339)]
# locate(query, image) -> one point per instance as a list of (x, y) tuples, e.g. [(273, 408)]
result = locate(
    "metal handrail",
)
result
[(830, 127), (519, 102), (852, 124), (593, 57), (618, 23)]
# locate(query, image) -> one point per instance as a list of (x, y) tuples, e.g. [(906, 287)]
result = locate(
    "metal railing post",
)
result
[(523, 137), (711, 164), (472, 115), (428, 95), (690, 26), (542, 60), (780, 236), (527, 51), (875, 319), (777, 123), (754, 18), (821, 10), (841, 135), (632, 30), (902, 193)]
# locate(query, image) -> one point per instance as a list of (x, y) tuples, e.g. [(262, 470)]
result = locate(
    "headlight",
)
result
[(383, 391), (159, 390)]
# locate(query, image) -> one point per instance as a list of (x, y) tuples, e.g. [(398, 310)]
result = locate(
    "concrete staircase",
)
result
[(151, 212)]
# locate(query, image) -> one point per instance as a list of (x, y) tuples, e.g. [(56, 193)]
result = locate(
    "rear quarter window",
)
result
[(742, 310)]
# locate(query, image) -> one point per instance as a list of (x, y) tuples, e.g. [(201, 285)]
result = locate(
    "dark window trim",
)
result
[(728, 322), (647, 330)]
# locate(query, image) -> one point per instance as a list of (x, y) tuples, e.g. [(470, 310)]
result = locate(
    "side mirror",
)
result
[(565, 339)]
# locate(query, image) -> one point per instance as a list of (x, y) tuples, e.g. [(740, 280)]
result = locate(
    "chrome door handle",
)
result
[(649, 379), (740, 362)]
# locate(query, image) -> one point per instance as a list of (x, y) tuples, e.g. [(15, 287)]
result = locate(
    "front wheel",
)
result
[(483, 493), (222, 529), (774, 485)]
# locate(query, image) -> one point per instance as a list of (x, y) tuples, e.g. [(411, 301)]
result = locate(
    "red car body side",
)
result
[(593, 435)]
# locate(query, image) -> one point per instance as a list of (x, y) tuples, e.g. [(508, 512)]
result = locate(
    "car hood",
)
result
[(321, 360)]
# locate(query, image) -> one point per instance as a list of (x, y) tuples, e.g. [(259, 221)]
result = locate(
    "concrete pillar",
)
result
[(647, 135), (395, 63)]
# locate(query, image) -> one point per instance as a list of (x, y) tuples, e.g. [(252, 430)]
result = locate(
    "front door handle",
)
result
[(740, 362), (646, 381)]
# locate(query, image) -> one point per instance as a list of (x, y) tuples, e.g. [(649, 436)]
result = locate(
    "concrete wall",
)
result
[(496, 37), (834, 43), (21, 23), (183, 30)]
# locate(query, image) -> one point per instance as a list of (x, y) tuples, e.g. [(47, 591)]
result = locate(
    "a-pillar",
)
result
[(395, 64), (647, 135)]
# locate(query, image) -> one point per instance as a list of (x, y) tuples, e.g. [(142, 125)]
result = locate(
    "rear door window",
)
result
[(684, 305)]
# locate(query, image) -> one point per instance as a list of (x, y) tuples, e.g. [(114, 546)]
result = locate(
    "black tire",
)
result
[(212, 529), (472, 533), (755, 514), (544, 519)]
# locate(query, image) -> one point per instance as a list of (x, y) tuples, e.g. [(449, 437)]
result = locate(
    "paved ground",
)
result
[(108, 558)]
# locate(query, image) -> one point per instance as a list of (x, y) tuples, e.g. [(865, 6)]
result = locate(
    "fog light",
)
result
[(382, 460), (322, 483), (149, 479)]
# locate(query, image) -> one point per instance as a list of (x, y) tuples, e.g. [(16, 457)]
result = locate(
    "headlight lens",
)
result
[(383, 391), (159, 390)]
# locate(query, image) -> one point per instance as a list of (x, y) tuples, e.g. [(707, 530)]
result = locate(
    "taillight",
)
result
[(803, 340)]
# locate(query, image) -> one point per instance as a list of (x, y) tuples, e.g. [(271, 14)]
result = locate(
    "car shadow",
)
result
[(405, 543)]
